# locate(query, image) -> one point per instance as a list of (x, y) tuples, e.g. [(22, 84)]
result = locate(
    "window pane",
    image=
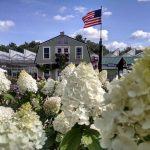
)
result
[(65, 50), (46, 52), (59, 50), (79, 50), (79, 53), (46, 74), (46, 55)]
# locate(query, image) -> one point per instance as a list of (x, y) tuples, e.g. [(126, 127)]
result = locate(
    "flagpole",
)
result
[(100, 46)]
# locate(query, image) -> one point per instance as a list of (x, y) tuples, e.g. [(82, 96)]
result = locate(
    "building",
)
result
[(46, 58), (116, 64), (14, 62)]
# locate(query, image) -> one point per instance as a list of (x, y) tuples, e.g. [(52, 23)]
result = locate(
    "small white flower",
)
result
[(26, 82), (61, 124), (52, 105), (6, 113), (49, 87), (4, 83)]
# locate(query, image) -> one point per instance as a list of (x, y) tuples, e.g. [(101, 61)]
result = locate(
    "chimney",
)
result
[(62, 33)]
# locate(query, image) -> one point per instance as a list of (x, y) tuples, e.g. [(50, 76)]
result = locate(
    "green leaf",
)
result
[(90, 139), (8, 97), (71, 140)]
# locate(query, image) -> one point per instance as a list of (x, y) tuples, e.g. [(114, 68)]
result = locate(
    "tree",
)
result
[(12, 46), (92, 46), (80, 38)]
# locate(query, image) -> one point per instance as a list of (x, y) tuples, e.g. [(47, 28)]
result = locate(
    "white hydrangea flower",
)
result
[(21, 131), (82, 95), (60, 87), (26, 83), (67, 71), (103, 76), (49, 87), (4, 83), (61, 124), (128, 110), (6, 113), (52, 105)]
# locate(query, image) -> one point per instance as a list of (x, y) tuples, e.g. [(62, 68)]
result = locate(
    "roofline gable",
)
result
[(59, 36)]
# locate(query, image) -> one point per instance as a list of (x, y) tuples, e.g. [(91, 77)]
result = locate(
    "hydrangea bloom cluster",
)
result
[(60, 87), (5, 113), (61, 124), (82, 95), (49, 87), (26, 83), (4, 83), (67, 71), (52, 105), (21, 130), (103, 78), (125, 124)]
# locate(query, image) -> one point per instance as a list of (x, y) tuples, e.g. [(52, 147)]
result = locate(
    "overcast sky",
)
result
[(125, 22)]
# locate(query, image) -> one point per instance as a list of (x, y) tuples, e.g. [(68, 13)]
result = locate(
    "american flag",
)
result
[(92, 18)]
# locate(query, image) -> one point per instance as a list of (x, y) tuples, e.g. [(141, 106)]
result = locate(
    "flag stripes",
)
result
[(92, 18)]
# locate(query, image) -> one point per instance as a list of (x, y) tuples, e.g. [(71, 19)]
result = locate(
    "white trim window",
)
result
[(62, 49), (78, 52), (46, 52)]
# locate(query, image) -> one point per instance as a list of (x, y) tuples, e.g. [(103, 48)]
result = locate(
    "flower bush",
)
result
[(82, 111), (125, 122), (20, 130)]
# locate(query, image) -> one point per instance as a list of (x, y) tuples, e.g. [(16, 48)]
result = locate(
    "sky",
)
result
[(124, 22)]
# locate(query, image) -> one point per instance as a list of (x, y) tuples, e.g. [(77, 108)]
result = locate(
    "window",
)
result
[(62, 49), (46, 74), (58, 75), (66, 51), (46, 52), (79, 53), (59, 51)]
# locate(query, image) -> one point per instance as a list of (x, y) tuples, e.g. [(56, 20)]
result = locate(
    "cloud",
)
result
[(115, 45), (138, 46), (80, 9), (106, 12), (40, 41), (6, 25), (40, 13), (92, 34), (63, 18), (62, 9), (148, 40), (143, 0), (140, 34)]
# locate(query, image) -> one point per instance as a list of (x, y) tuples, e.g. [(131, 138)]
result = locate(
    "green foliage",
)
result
[(92, 46), (8, 97), (79, 37), (81, 138), (90, 139), (72, 139), (32, 46)]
